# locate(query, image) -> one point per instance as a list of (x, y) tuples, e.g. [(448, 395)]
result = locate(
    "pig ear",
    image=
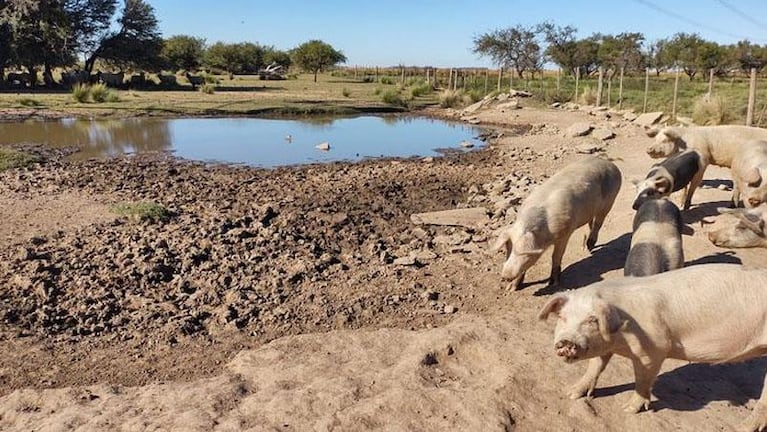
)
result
[(651, 132), (672, 134), (662, 185), (504, 240), (608, 319), (552, 306), (752, 176), (750, 221), (527, 245)]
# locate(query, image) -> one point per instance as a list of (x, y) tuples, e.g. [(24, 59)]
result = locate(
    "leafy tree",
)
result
[(562, 45), (658, 56), (5, 43), (183, 52), (749, 55), (242, 57), (712, 56), (586, 56), (90, 21), (684, 49), (316, 56), (272, 55), (137, 42), (621, 51), (515, 47)]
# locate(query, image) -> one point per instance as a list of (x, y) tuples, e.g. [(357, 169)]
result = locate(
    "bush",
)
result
[(208, 88), (81, 92), (29, 102), (387, 80), (143, 211), (345, 91), (99, 92), (710, 110), (392, 97), (112, 97), (10, 158), (450, 99), (589, 96), (420, 90)]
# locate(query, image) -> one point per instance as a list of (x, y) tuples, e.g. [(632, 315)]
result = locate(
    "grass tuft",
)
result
[(143, 211), (81, 92), (450, 99), (393, 97), (10, 159), (710, 110), (207, 88)]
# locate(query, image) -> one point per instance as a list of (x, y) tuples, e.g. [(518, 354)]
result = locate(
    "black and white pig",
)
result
[(679, 171), (581, 193), (656, 243)]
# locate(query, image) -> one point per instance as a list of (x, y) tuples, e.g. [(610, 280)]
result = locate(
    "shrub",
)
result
[(143, 211), (450, 99), (378, 91), (81, 92), (10, 158), (387, 80), (345, 91), (112, 97), (710, 110), (99, 92), (393, 97), (208, 88), (420, 90), (474, 96), (29, 102), (589, 96)]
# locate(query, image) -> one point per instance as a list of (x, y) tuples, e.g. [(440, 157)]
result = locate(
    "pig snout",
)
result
[(567, 349)]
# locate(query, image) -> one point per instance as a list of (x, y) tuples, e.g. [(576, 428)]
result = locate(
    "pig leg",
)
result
[(556, 260), (595, 226), (586, 385), (645, 375), (757, 420), (694, 183)]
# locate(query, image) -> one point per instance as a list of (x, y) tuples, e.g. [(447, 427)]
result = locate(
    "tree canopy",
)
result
[(514, 47), (315, 56), (183, 52)]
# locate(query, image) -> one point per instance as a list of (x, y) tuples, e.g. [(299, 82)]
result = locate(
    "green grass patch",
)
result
[(142, 211), (29, 102), (208, 88), (393, 97), (81, 92), (10, 159)]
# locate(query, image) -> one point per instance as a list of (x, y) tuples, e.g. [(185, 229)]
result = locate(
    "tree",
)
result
[(586, 56), (658, 56), (515, 47), (316, 56), (272, 55), (749, 55), (712, 56), (684, 49), (621, 51), (183, 52), (244, 57), (562, 45), (137, 42), (90, 21)]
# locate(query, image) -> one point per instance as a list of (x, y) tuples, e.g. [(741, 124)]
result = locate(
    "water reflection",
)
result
[(259, 142)]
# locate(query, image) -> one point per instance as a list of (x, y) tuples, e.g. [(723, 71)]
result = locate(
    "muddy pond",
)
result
[(251, 141)]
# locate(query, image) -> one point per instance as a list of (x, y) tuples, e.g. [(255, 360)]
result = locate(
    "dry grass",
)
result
[(710, 110)]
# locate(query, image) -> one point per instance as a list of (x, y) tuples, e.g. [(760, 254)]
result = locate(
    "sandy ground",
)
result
[(275, 300)]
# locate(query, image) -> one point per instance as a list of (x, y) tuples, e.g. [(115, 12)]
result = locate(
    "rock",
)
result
[(424, 255), (556, 105), (467, 217), (405, 261), (420, 233), (603, 134), (452, 239), (466, 144), (649, 119), (324, 146), (471, 109), (428, 159), (450, 309), (520, 93), (579, 129), (511, 105), (588, 148), (629, 116)]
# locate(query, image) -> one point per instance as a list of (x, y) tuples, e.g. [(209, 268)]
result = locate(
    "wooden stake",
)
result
[(751, 98), (676, 91), (620, 91), (599, 85), (646, 88)]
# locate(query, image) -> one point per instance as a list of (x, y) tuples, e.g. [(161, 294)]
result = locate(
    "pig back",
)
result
[(572, 197)]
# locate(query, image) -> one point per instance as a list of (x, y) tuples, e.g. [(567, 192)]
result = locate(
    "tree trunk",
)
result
[(48, 75), (89, 63), (32, 75), (315, 76)]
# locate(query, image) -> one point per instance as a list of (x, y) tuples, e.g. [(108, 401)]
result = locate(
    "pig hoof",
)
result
[(636, 404), (590, 243), (578, 391)]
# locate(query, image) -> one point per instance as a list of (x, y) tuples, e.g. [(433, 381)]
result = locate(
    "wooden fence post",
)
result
[(376, 74), (450, 80), (609, 91), (487, 73), (620, 90), (559, 77), (599, 85), (711, 81), (676, 90), (577, 78), (751, 98), (646, 88), (500, 77)]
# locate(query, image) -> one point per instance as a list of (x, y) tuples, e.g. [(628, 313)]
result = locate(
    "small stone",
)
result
[(450, 309), (603, 134), (579, 129), (324, 146), (405, 261)]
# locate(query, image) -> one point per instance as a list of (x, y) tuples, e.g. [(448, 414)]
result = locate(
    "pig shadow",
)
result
[(702, 211), (717, 183), (727, 257), (604, 258), (693, 386)]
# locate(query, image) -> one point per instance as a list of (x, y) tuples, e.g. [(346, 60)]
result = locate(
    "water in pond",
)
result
[(258, 142)]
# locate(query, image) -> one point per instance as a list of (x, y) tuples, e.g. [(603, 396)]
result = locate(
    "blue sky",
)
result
[(440, 32)]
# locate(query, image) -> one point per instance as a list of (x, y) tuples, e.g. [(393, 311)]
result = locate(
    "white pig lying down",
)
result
[(709, 313), (747, 230), (581, 193), (749, 169), (656, 241)]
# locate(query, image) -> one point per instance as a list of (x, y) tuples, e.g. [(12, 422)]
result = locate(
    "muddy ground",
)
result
[(305, 298)]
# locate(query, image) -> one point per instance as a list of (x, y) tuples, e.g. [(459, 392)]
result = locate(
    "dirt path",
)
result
[(292, 315)]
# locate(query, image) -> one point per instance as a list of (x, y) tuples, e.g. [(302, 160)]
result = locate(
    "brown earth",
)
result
[(303, 298)]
